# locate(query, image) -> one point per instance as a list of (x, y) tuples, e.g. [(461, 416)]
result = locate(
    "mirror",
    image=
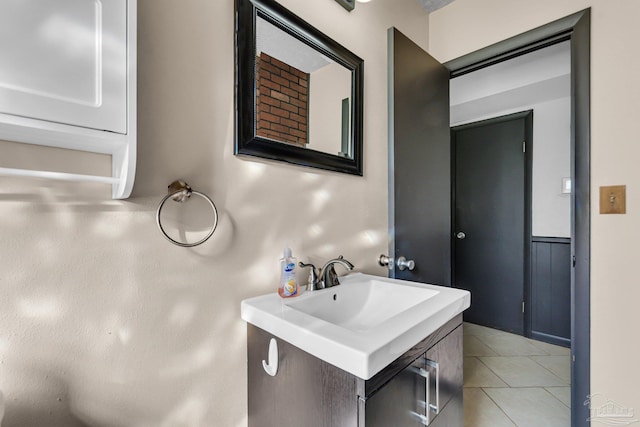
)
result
[(298, 93)]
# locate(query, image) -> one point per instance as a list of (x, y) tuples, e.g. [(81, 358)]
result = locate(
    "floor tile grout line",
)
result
[(525, 339), (528, 357), (516, 337), (532, 388), (537, 344), (520, 388), (514, 355), (494, 372), (549, 370), (531, 341), (555, 397), (564, 383), (499, 407), (534, 343), (483, 343), (497, 376), (546, 352)]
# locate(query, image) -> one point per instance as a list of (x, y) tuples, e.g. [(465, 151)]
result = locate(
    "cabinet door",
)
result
[(444, 363), (400, 402), (305, 392), (65, 61), (405, 402)]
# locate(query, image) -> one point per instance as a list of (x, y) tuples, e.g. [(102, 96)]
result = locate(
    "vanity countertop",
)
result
[(361, 325)]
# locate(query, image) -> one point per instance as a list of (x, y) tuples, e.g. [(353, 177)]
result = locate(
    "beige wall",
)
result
[(328, 86), (103, 322), (467, 25)]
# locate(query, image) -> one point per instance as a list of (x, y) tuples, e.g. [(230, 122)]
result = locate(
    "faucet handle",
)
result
[(313, 276)]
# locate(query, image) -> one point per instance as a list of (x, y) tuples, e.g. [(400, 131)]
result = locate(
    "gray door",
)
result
[(489, 216), (419, 162)]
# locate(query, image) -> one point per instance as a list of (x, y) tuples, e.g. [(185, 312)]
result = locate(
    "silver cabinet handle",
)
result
[(385, 261), (460, 235), (404, 263), (424, 373), (435, 408), (429, 407)]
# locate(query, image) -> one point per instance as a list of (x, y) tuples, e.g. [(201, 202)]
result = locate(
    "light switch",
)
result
[(613, 199)]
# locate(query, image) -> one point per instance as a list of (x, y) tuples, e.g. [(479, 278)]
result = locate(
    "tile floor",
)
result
[(511, 381)]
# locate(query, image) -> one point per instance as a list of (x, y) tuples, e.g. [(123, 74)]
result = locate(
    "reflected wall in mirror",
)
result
[(303, 98), (298, 93)]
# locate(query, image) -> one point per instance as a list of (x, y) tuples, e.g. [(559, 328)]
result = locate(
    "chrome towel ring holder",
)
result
[(180, 191)]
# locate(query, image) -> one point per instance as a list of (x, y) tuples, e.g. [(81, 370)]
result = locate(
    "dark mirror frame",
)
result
[(247, 142)]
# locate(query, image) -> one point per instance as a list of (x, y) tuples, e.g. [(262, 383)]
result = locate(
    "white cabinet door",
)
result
[(65, 61)]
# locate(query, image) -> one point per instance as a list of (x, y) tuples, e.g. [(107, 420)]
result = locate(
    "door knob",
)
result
[(385, 261), (460, 235), (404, 263)]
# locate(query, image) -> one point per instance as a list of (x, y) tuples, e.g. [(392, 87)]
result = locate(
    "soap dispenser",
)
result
[(288, 283)]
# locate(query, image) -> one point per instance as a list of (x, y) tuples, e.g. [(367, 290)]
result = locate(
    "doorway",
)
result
[(491, 172), (539, 81), (576, 29)]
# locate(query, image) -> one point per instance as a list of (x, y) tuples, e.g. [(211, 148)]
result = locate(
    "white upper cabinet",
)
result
[(65, 61), (67, 77)]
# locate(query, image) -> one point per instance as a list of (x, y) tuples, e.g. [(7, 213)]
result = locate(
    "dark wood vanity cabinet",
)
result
[(309, 392)]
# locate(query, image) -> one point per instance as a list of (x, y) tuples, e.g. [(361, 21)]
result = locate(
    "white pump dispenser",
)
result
[(288, 284)]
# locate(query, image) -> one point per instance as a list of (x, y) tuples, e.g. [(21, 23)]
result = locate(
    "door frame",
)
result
[(528, 192), (577, 29)]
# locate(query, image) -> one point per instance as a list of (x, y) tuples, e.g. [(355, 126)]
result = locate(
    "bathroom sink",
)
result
[(362, 307), (361, 325)]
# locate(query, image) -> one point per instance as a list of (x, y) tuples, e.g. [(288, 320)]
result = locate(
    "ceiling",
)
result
[(286, 48), (537, 77), (431, 5)]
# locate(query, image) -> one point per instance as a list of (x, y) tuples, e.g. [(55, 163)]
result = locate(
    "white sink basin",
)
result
[(362, 307), (361, 325)]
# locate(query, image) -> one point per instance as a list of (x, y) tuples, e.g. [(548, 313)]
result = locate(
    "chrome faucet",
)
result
[(327, 276)]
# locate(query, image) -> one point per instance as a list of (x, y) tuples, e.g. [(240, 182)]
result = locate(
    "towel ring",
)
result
[(180, 191)]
